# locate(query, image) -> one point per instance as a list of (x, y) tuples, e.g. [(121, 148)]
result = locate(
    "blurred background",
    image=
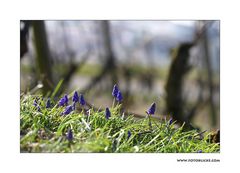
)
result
[(173, 63)]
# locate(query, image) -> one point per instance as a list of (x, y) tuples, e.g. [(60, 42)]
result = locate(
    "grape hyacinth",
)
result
[(38, 108), (119, 96), (66, 99), (75, 97), (62, 101), (107, 113), (170, 121), (152, 109), (67, 110), (48, 103), (82, 100), (69, 135), (129, 134), (36, 105), (115, 91), (35, 102)]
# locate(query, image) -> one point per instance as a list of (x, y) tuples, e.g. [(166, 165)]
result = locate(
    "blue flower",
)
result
[(119, 96), (152, 109), (129, 134), (48, 103), (107, 113), (36, 105), (81, 100), (66, 99), (75, 97), (115, 91), (67, 110), (69, 135), (35, 102), (170, 121), (63, 101), (38, 108), (199, 151)]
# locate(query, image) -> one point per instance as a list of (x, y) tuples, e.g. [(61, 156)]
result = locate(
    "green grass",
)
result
[(45, 131)]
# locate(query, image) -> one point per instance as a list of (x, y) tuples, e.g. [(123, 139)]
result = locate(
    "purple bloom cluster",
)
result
[(68, 110), (82, 100), (117, 93), (170, 121), (63, 101), (35, 103), (66, 99), (78, 98), (119, 96), (152, 109), (48, 103), (75, 97), (38, 108), (107, 113), (69, 135), (129, 134)]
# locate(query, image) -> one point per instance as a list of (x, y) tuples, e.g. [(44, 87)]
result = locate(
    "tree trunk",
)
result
[(110, 59), (178, 69), (42, 56), (24, 38), (209, 76), (109, 66)]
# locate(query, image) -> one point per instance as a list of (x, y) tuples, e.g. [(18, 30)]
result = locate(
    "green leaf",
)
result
[(57, 88)]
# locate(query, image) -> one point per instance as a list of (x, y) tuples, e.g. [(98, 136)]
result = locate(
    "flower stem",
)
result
[(149, 121), (113, 104)]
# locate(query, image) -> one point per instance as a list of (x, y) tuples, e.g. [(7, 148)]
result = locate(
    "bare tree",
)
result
[(206, 57), (109, 64), (178, 70), (24, 37), (42, 56)]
